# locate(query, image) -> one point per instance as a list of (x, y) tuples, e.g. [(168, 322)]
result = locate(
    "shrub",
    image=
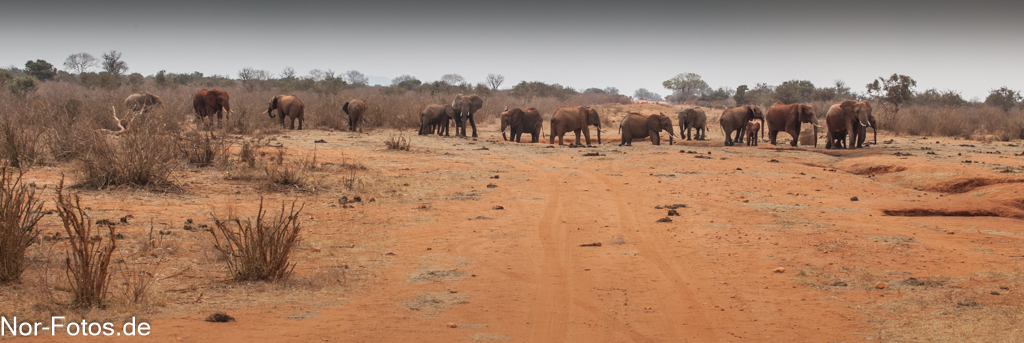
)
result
[(258, 252), (141, 157), (22, 86), (202, 148), (397, 142), (21, 146), (20, 210), (88, 261)]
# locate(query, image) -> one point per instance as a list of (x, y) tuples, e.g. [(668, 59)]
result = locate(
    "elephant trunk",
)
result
[(762, 128), (599, 134)]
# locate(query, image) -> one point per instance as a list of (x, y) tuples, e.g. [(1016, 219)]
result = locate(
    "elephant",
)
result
[(782, 117), (575, 119), (520, 121), (752, 128), (848, 118), (142, 102), (466, 105), (736, 118), (636, 125), (864, 131), (432, 116), (206, 103), (354, 109), (693, 118), (290, 106)]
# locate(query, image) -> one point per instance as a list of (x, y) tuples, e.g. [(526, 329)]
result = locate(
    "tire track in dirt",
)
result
[(549, 311), (686, 308), (676, 320)]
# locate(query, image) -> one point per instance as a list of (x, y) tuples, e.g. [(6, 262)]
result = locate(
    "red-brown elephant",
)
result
[(206, 103), (787, 118)]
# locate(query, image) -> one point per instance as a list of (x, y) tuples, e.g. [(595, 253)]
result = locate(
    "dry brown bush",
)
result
[(20, 210), (259, 252), (143, 156), (964, 121), (397, 142), (88, 262)]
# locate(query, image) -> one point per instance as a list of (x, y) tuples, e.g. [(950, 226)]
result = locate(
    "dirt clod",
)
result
[(498, 207), (664, 220), (673, 213), (779, 270), (854, 199), (219, 317), (881, 285)]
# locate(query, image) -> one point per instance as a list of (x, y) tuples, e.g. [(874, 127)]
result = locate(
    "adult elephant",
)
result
[(736, 118), (436, 116), (693, 118), (466, 106), (782, 117), (848, 118), (520, 121), (636, 125), (142, 102), (354, 109), (576, 119), (864, 131), (290, 106), (206, 103)]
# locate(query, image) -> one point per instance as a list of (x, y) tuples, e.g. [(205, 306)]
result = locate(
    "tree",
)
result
[(288, 73), (161, 78), (453, 79), (686, 86), (611, 90), (356, 78), (892, 92), (539, 89), (794, 91), (495, 80), (136, 79), (936, 98), (113, 64), (253, 78), (80, 62), (316, 74), (406, 82), (41, 70), (741, 95), (1004, 98), (717, 95), (644, 94)]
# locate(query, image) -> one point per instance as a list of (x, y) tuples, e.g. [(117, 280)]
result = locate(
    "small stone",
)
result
[(881, 285), (854, 199), (498, 207), (839, 284), (994, 293), (779, 270), (658, 207), (452, 325), (665, 220), (673, 213), (491, 185)]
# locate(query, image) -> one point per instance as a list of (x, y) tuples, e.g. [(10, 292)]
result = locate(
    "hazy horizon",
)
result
[(966, 47)]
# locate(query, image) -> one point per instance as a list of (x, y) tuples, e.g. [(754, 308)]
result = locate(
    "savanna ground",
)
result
[(485, 240)]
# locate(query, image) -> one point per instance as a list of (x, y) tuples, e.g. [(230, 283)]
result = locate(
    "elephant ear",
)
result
[(654, 123), (848, 106), (273, 103), (345, 107)]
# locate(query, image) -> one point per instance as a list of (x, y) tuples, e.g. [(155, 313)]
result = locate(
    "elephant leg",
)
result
[(655, 138), (795, 135), (473, 122), (772, 134), (862, 136), (828, 139), (728, 137), (852, 133)]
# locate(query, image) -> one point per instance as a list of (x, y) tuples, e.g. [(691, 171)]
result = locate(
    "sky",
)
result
[(966, 46)]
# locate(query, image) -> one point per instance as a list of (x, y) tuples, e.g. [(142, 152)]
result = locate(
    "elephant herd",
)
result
[(207, 103), (845, 122), (435, 118)]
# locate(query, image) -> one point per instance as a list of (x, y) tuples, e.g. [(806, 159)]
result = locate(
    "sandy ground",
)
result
[(485, 240)]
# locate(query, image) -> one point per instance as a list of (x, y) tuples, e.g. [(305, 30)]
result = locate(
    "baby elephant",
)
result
[(636, 125), (752, 128)]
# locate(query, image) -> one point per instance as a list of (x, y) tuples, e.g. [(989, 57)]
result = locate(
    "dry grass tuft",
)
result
[(20, 210), (88, 261), (259, 252), (397, 142), (141, 157), (203, 148)]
